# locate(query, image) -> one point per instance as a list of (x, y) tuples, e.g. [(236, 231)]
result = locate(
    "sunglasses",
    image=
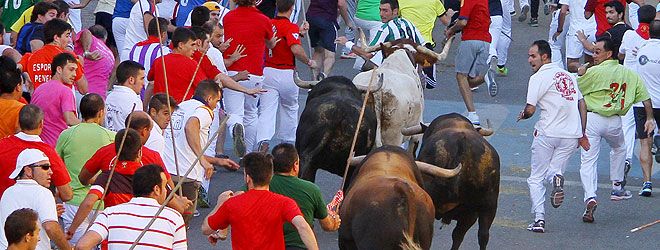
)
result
[(45, 167)]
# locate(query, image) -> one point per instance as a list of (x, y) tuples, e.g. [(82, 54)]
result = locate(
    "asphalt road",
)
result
[(564, 228)]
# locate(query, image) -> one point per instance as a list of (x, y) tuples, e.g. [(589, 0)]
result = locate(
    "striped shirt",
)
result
[(145, 54), (397, 28), (120, 226)]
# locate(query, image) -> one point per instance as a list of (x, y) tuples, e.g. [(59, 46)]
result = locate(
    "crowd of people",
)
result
[(99, 124)]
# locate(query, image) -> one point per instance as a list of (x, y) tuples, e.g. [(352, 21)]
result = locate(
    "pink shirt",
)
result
[(54, 98), (97, 72)]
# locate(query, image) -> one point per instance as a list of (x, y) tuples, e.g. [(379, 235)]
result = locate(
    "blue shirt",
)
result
[(123, 9), (184, 9)]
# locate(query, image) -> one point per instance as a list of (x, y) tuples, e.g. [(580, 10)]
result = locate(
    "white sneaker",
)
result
[(474, 119)]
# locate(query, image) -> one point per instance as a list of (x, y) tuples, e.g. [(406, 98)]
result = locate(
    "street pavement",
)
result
[(564, 227)]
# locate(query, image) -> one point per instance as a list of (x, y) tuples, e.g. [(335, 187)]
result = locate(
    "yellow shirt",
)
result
[(25, 18), (422, 13)]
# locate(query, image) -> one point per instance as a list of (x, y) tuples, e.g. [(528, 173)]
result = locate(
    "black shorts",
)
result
[(640, 119), (322, 33), (105, 20)]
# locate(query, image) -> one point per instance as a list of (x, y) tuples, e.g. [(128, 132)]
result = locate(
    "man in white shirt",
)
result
[(630, 44), (121, 99), (577, 22), (160, 116), (117, 224), (649, 70), (141, 13), (32, 173), (191, 124), (561, 124)]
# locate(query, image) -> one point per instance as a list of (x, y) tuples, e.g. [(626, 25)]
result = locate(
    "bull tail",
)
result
[(409, 243), (409, 210)]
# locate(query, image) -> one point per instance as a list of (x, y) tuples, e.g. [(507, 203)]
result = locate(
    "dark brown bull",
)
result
[(385, 205), (472, 195)]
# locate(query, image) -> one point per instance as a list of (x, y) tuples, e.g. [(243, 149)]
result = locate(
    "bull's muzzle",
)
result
[(303, 84), (436, 171)]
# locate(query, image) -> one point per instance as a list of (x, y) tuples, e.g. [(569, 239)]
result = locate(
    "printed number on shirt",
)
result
[(17, 4), (564, 85), (184, 2), (177, 121), (618, 94)]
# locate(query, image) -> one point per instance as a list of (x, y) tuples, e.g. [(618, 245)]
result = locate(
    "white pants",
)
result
[(67, 217), (242, 109), (505, 36), (556, 46), (632, 15), (600, 127), (574, 48), (119, 25), (283, 95), (495, 29), (628, 126), (549, 157)]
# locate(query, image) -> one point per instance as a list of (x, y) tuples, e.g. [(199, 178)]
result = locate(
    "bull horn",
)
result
[(414, 130), (485, 131), (363, 38), (439, 56), (373, 89), (438, 171), (356, 160), (377, 47), (303, 84)]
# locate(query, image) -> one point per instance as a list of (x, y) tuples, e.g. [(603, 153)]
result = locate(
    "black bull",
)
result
[(327, 125), (449, 140)]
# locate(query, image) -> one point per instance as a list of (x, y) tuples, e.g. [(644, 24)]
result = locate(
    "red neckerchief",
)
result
[(643, 31), (150, 40)]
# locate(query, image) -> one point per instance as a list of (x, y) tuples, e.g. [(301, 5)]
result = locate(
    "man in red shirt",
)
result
[(30, 120), (598, 7), (257, 216), (472, 56), (57, 35), (246, 26), (180, 67), (278, 80)]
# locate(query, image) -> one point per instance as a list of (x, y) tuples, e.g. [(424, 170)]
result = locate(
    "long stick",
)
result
[(357, 129), (112, 169), (178, 185), (644, 226)]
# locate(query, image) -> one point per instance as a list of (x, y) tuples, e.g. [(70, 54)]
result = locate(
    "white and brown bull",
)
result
[(386, 206)]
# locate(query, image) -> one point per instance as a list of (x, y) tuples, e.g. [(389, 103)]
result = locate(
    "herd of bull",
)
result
[(391, 198)]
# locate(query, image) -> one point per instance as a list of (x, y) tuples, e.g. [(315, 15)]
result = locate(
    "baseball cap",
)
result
[(211, 5), (25, 158)]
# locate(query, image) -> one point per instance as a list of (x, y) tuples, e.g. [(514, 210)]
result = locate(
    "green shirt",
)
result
[(13, 9), (422, 13), (308, 197), (368, 10), (611, 89), (76, 145), (397, 28)]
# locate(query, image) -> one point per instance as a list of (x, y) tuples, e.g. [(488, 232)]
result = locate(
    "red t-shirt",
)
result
[(120, 189), (256, 218), (37, 64), (207, 67), (102, 159), (597, 7), (478, 20), (180, 70), (249, 27), (281, 56), (12, 146)]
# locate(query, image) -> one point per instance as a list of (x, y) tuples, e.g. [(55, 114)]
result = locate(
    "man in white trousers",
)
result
[(505, 38), (282, 92), (574, 48), (609, 90), (561, 125), (557, 34), (495, 29)]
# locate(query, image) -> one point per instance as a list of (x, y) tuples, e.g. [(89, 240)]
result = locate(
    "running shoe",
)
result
[(196, 213), (537, 227), (646, 189), (589, 210), (626, 168), (263, 146), (534, 22), (523, 14), (239, 140), (321, 76), (474, 88), (557, 195), (350, 55), (546, 7), (513, 13), (622, 194), (474, 119), (502, 71), (490, 77)]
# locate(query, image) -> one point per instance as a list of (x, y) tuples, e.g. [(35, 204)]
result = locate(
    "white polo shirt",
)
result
[(555, 92), (118, 106), (629, 46), (28, 194), (217, 59), (648, 68), (576, 18), (121, 225), (185, 155), (156, 141), (135, 29)]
